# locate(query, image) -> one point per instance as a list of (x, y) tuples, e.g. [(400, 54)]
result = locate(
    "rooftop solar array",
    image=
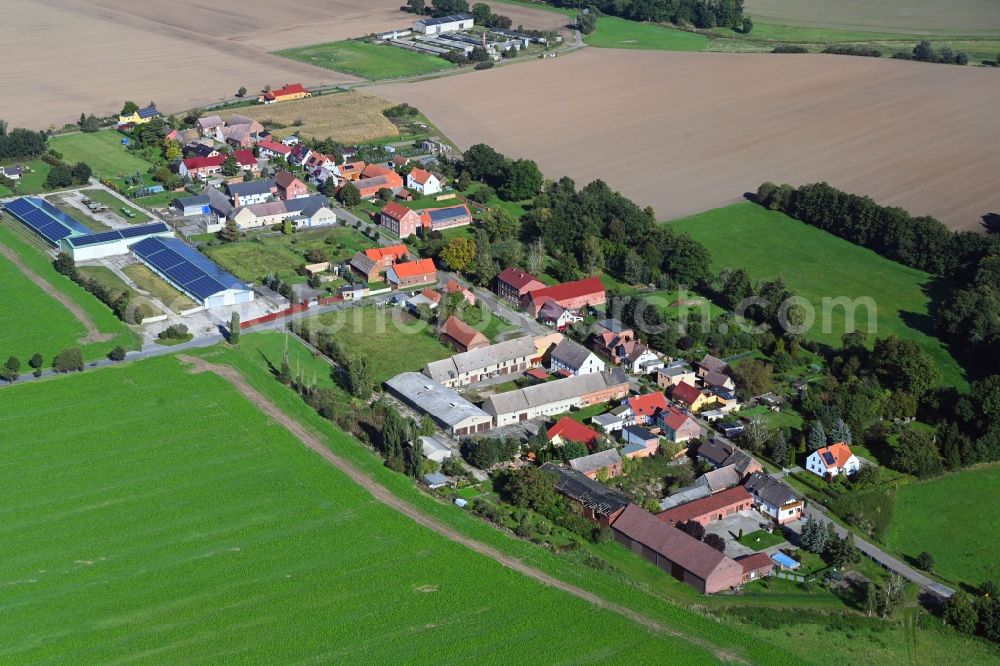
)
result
[(119, 234), (45, 219), (828, 457), (187, 268)]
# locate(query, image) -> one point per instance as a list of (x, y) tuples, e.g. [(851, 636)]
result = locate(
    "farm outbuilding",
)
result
[(192, 272), (435, 26), (110, 243)]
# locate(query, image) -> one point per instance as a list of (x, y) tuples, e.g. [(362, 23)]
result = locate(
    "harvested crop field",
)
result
[(966, 17), (346, 117), (685, 132)]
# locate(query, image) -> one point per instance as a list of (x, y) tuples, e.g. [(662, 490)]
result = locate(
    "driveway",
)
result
[(729, 528)]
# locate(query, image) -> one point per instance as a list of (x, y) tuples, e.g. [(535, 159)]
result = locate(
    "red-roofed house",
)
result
[(453, 287), (389, 254), (690, 397), (833, 460), (711, 508), (399, 219), (646, 407), (411, 274), (351, 170), (461, 336), (370, 187), (289, 187), (573, 295), (758, 565), (269, 149), (376, 170), (570, 430), (423, 181), (513, 284), (677, 426), (203, 167), (286, 93)]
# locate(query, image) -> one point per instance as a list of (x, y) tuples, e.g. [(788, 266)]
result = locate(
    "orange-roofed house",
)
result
[(461, 336), (833, 460), (287, 93), (370, 187), (373, 262), (350, 171), (646, 407), (570, 430), (411, 274), (400, 220), (574, 295), (454, 287), (423, 181)]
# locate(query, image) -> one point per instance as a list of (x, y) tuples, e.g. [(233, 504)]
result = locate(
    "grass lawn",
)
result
[(226, 536), (946, 517), (369, 61), (762, 539), (618, 33), (393, 340), (484, 321), (786, 418), (584, 415), (34, 322), (116, 205), (160, 200), (818, 265), (689, 305), (158, 288), (32, 182), (115, 284), (252, 258), (103, 151)]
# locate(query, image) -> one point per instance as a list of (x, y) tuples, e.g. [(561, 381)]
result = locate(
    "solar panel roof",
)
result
[(119, 234), (187, 268), (45, 219), (828, 457)]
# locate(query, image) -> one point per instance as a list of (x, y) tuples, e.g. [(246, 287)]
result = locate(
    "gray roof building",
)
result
[(770, 490), (555, 392), (483, 360), (448, 409), (720, 479), (596, 461), (255, 187), (572, 356)]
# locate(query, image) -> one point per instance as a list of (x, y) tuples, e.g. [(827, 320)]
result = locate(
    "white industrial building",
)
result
[(435, 26), (450, 411), (111, 243)]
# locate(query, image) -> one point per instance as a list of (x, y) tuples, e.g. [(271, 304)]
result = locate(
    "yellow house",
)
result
[(288, 93), (140, 116)]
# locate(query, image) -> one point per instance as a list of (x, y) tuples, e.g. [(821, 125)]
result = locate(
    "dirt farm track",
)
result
[(684, 132), (68, 56)]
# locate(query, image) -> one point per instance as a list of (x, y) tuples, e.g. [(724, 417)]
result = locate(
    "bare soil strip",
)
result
[(381, 494), (93, 333)]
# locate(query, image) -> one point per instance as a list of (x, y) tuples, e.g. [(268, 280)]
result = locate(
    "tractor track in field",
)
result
[(93, 333), (383, 495)]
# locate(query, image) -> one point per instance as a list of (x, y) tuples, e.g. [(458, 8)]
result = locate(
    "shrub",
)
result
[(925, 561), (173, 332), (789, 48), (484, 65)]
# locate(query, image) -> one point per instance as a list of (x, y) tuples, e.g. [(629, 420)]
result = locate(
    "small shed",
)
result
[(436, 480)]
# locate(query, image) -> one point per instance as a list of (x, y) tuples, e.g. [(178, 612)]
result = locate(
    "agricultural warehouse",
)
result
[(556, 397), (503, 358), (448, 409), (711, 508), (110, 243), (45, 219), (191, 272), (434, 26), (681, 555)]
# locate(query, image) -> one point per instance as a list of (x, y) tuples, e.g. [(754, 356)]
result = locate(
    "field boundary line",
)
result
[(93, 333), (383, 495)]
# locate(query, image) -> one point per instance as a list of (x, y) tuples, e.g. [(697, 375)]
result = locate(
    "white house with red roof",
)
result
[(833, 460), (287, 93), (573, 295), (645, 407), (269, 149), (420, 180)]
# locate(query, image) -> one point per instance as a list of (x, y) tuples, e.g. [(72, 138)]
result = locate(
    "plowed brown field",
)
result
[(684, 132), (67, 56)]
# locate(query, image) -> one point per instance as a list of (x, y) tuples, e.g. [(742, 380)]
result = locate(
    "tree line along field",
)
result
[(35, 322), (224, 537), (949, 517), (817, 265)]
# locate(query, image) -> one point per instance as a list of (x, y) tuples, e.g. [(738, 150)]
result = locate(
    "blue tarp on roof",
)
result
[(785, 561)]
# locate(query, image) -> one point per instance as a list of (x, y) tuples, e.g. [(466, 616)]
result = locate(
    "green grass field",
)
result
[(251, 259), (190, 537), (369, 61), (818, 265), (34, 322), (948, 517), (761, 539), (487, 323), (32, 182), (103, 151), (617, 33), (393, 340), (116, 205)]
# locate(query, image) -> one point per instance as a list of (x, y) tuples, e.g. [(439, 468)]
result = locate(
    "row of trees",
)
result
[(19, 143), (119, 302), (699, 13)]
